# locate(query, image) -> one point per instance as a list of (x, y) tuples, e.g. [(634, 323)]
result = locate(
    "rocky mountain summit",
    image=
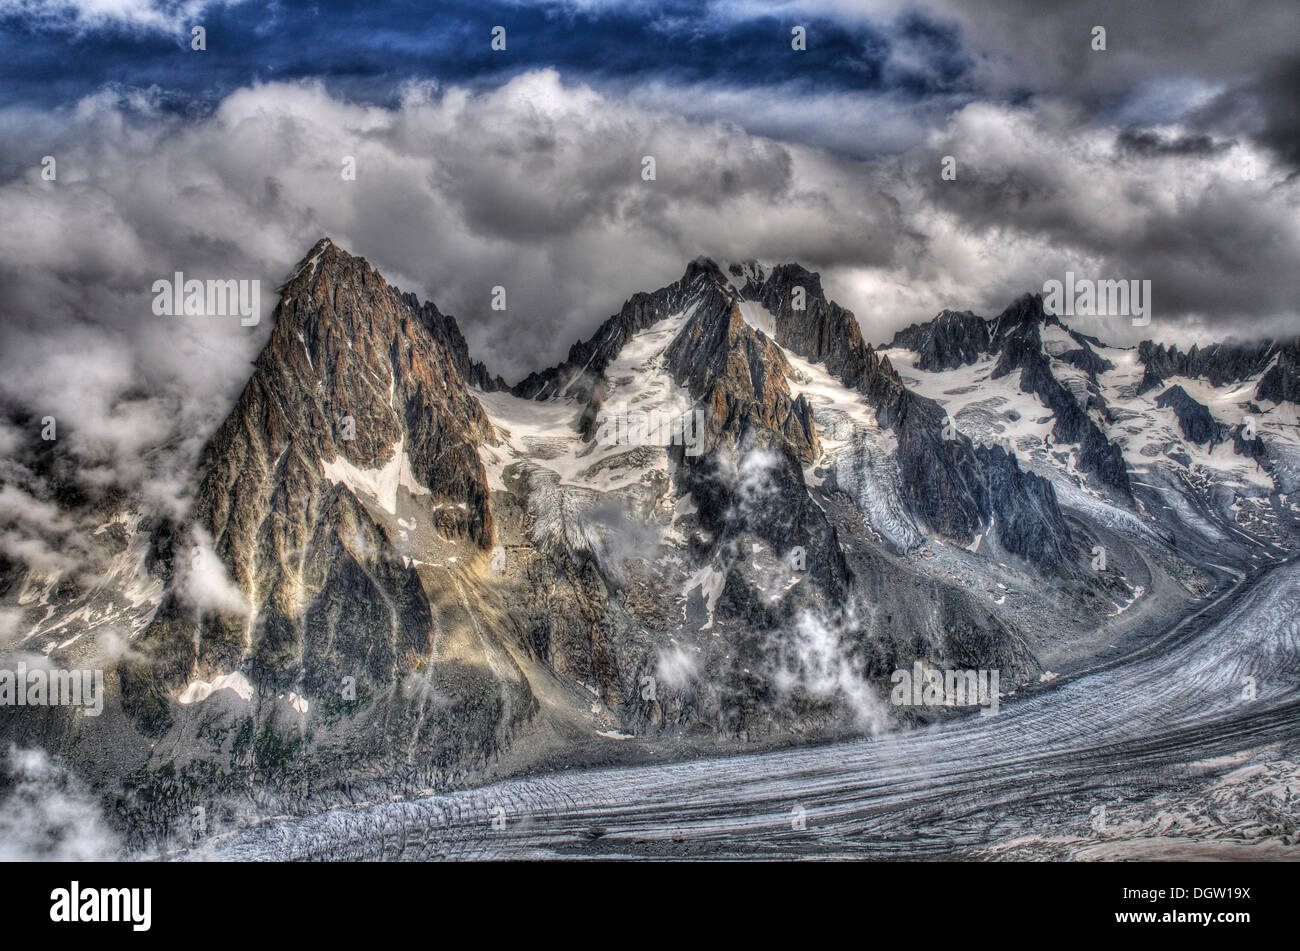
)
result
[(357, 378), (722, 521)]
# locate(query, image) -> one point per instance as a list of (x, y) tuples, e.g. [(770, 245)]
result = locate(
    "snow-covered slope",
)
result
[(1215, 459)]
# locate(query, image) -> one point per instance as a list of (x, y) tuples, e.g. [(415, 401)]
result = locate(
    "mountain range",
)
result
[(400, 574)]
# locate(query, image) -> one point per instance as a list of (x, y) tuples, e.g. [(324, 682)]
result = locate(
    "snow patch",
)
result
[(378, 484), (199, 690)]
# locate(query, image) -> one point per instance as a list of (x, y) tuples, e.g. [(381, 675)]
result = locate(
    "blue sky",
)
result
[(365, 51)]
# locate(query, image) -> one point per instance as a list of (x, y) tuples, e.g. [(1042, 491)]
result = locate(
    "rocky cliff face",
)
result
[(738, 376), (949, 341), (1099, 415), (948, 486), (1019, 341), (1281, 383), (1065, 370), (763, 569), (1194, 418), (1219, 363), (821, 330), (753, 427)]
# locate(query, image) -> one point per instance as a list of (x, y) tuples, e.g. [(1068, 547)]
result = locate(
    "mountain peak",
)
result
[(702, 266), (357, 406), (1025, 309), (309, 261), (952, 339), (747, 271)]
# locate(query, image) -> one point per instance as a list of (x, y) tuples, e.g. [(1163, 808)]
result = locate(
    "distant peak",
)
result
[(747, 272), (703, 265)]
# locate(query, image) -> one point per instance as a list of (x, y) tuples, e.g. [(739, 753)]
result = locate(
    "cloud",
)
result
[(1262, 106), (47, 815), (676, 668), (36, 532), (11, 620), (535, 186), (753, 483), (620, 537), (876, 76), (1147, 142), (812, 656), (204, 583), (1017, 45), (1204, 65)]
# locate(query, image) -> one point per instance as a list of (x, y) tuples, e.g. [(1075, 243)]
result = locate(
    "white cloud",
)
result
[(204, 583), (46, 815), (676, 668), (814, 658), (1040, 191), (156, 15), (37, 533)]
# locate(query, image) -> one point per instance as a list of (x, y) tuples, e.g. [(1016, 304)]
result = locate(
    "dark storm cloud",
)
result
[(1211, 224), (1222, 68), (537, 187), (1147, 142), (1266, 107), (875, 76)]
